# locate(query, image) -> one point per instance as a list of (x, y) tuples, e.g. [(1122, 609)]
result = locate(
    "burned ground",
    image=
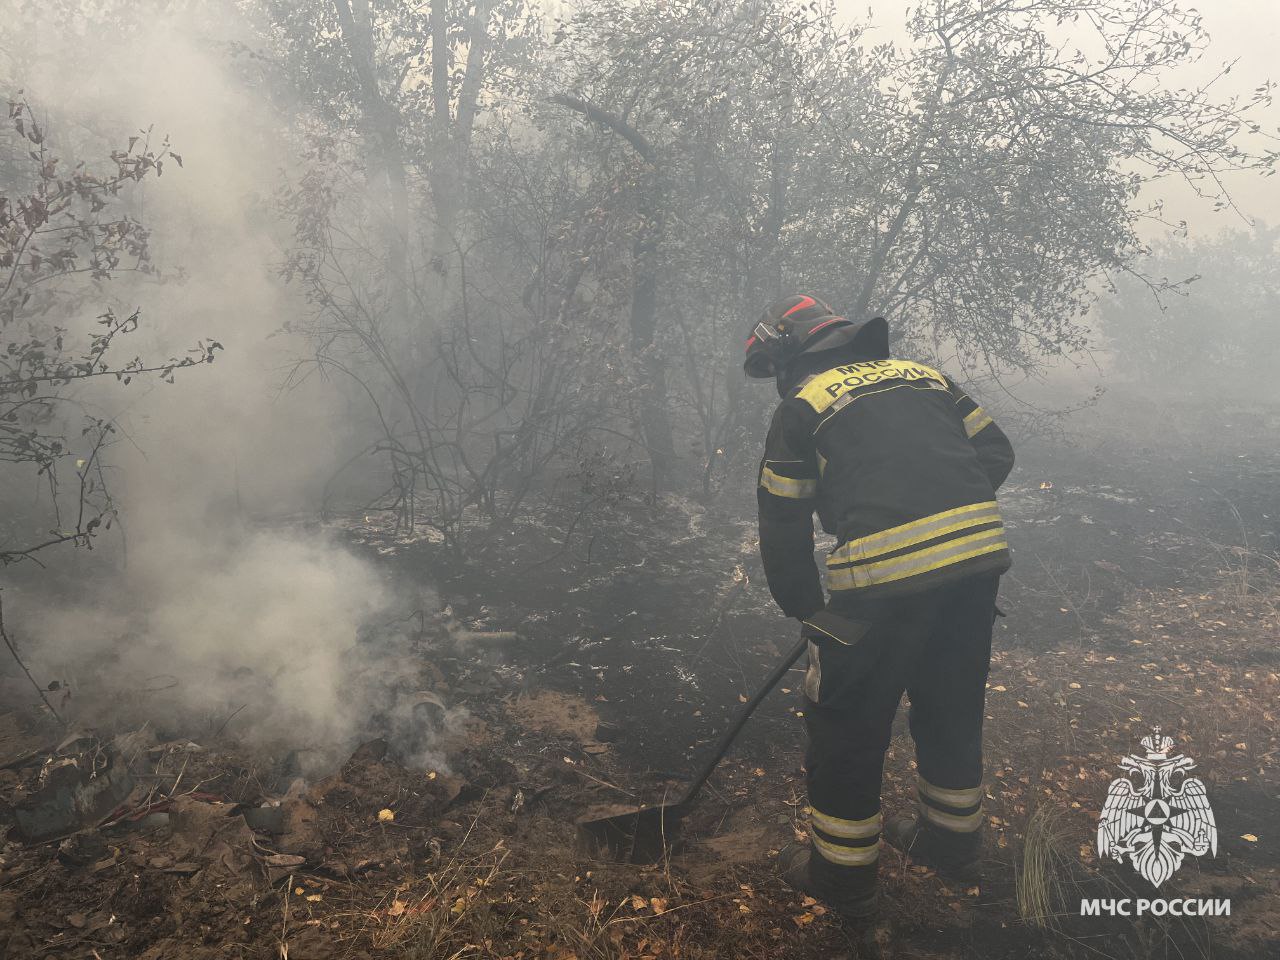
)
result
[(1144, 592)]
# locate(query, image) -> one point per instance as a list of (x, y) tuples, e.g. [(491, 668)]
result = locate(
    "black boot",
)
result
[(857, 907), (851, 904), (955, 856)]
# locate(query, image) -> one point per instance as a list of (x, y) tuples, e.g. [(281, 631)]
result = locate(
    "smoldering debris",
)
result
[(218, 837), (283, 641), (80, 783), (227, 806)]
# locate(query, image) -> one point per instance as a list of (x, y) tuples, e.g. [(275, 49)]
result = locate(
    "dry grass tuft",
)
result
[(1044, 874)]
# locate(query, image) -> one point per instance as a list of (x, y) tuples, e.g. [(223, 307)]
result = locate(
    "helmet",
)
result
[(796, 325)]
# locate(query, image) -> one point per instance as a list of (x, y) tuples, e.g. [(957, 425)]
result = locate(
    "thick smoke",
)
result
[(189, 609), (205, 626)]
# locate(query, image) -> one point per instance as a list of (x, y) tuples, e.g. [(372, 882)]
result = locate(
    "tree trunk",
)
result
[(655, 420), (761, 285), (443, 170), (452, 135), (386, 173)]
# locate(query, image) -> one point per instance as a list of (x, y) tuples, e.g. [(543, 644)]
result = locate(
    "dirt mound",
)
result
[(556, 714)]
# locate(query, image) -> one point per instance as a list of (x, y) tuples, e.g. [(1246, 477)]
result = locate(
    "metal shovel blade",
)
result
[(631, 834), (645, 834)]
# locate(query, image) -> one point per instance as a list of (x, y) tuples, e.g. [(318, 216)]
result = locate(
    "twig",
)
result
[(174, 789), (603, 783), (13, 650), (217, 732), (1062, 591), (732, 595), (283, 945)]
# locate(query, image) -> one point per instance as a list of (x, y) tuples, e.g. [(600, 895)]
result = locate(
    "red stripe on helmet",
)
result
[(804, 304), (750, 340), (825, 323)]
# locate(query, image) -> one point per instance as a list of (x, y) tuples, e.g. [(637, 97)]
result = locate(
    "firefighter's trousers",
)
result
[(935, 646)]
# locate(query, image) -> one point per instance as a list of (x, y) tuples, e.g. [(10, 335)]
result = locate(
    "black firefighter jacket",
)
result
[(900, 465)]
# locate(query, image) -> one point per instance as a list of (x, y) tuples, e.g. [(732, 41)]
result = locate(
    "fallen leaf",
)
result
[(386, 815), (284, 860), (1249, 836)]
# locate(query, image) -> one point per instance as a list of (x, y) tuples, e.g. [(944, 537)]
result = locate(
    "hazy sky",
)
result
[(1243, 30)]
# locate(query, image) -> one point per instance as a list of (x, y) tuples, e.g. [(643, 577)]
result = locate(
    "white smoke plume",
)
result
[(191, 607)]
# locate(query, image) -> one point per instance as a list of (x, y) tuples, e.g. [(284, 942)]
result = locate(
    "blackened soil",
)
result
[(659, 616)]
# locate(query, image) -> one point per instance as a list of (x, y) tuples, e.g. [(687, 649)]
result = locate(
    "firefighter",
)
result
[(901, 466)]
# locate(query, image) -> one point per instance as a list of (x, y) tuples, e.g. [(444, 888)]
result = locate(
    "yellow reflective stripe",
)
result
[(952, 798), (922, 561), (845, 829), (976, 421), (949, 821), (825, 388), (846, 856), (917, 531), (781, 486)]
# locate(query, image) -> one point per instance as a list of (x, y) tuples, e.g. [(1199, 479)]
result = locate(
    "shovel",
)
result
[(643, 834)]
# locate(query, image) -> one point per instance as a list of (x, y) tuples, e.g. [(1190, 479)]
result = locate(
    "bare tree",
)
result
[(56, 228), (1208, 303), (975, 186), (626, 197)]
